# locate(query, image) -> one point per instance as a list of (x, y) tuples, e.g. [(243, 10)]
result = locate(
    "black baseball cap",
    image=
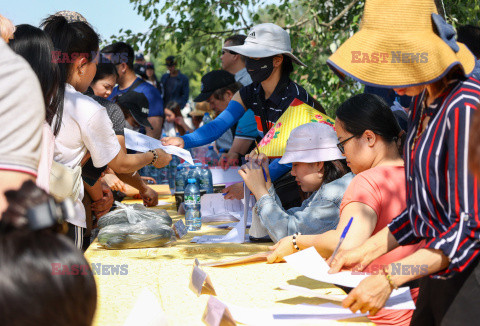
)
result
[(212, 81), (137, 104)]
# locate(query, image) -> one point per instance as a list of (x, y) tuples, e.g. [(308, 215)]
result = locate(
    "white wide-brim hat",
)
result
[(312, 142), (266, 40)]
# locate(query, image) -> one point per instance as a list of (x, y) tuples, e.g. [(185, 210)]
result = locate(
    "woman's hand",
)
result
[(149, 196), (262, 160), (228, 159), (114, 182), (235, 191), (252, 175), (175, 141), (163, 158), (348, 259), (282, 248), (369, 296)]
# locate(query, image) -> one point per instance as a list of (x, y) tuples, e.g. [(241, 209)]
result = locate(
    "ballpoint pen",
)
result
[(342, 237)]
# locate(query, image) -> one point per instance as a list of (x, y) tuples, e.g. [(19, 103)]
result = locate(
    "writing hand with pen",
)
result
[(256, 175)]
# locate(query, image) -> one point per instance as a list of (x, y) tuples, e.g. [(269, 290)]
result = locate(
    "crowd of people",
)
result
[(402, 158)]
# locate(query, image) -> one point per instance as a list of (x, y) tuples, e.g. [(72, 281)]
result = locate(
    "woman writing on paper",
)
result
[(269, 61), (318, 167), (369, 137)]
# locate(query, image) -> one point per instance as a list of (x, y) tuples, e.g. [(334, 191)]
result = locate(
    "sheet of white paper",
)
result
[(288, 314), (143, 143), (147, 311), (328, 311), (399, 299), (231, 225), (308, 262), (238, 233), (216, 205), (221, 176), (164, 203)]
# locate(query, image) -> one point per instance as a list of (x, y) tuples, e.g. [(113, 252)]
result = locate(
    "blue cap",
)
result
[(206, 113), (192, 180), (210, 147), (179, 167)]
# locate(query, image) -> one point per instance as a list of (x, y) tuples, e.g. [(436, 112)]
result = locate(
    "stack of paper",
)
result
[(215, 208), (142, 143)]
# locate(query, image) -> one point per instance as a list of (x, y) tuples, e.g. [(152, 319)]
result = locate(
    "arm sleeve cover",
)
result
[(213, 130), (277, 169)]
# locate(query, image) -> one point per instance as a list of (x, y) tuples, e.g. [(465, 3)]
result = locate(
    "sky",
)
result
[(106, 16)]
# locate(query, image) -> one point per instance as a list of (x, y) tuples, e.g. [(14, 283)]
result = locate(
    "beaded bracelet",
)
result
[(389, 278), (294, 240), (155, 157)]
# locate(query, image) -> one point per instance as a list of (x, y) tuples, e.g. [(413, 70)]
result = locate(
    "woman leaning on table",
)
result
[(442, 195)]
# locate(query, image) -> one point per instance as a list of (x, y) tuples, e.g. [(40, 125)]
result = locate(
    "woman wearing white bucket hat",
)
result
[(319, 167), (269, 58)]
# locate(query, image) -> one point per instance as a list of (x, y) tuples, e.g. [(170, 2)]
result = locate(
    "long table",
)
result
[(166, 272)]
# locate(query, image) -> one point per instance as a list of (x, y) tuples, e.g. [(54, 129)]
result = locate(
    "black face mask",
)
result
[(259, 69)]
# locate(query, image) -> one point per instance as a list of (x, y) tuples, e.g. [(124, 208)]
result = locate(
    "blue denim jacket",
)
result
[(319, 213)]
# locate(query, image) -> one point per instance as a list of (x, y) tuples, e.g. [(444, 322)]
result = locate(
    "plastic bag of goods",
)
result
[(133, 214), (145, 234)]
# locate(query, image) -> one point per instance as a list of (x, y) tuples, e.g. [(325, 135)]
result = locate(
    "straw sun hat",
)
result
[(401, 44)]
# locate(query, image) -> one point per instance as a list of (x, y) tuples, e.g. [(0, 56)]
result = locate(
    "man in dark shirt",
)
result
[(175, 84)]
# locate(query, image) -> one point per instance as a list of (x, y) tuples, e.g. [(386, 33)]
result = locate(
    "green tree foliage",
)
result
[(196, 30)]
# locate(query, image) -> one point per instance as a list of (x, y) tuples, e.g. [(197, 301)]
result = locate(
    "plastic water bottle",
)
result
[(206, 180), (194, 173), (193, 219), (206, 118), (171, 172), (180, 179), (211, 158)]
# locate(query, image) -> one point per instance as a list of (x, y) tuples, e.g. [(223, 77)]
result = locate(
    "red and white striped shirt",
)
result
[(442, 195)]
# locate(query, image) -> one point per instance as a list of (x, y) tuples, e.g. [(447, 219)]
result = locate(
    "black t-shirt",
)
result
[(281, 98)]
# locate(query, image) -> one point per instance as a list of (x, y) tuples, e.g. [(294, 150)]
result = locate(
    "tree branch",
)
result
[(332, 22)]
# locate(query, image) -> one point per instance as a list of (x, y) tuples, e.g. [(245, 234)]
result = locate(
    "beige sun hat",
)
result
[(400, 44)]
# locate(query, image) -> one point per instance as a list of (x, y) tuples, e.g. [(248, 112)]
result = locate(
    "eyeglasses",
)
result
[(228, 51), (340, 144)]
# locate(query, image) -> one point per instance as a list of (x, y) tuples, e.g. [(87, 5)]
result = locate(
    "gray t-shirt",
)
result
[(22, 112)]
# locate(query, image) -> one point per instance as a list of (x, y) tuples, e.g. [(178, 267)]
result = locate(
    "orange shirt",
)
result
[(383, 188)]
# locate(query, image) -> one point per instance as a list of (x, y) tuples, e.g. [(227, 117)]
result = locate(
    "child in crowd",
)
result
[(318, 167), (370, 138), (174, 121)]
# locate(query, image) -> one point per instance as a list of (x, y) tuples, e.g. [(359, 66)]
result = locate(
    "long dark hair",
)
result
[(70, 39), (370, 112), (36, 47), (27, 274)]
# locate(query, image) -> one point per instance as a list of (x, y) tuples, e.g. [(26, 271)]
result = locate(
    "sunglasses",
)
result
[(228, 51), (341, 144)]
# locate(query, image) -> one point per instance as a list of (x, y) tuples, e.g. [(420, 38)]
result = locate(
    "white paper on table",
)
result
[(143, 143), (399, 299), (326, 311), (231, 225), (288, 314), (163, 203), (308, 262), (215, 208), (221, 176), (147, 311), (238, 233)]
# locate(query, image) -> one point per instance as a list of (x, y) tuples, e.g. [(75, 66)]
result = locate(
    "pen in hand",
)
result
[(342, 237)]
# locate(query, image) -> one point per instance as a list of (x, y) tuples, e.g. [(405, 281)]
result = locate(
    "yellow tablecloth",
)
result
[(166, 272)]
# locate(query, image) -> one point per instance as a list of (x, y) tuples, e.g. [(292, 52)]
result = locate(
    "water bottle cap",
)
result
[(179, 168), (210, 147), (192, 180), (206, 114)]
